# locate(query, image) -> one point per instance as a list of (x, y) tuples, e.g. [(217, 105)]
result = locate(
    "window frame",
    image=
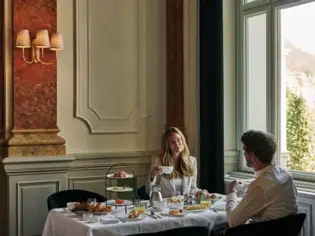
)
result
[(273, 55)]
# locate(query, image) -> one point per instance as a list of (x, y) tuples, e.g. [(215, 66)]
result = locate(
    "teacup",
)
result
[(167, 169)]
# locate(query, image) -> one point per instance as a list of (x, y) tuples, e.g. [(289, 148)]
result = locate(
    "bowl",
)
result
[(167, 169), (160, 205), (71, 205)]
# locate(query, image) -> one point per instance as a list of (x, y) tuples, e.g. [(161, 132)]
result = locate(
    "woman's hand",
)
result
[(155, 171)]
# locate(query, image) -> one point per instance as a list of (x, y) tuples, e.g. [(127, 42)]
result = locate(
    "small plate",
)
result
[(101, 213), (119, 189), (166, 213), (195, 210), (79, 213), (125, 218), (113, 203), (111, 176)]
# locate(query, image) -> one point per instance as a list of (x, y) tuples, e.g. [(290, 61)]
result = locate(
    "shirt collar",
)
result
[(260, 172)]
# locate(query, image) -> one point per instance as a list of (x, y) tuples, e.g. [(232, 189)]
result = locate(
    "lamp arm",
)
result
[(28, 62), (45, 63)]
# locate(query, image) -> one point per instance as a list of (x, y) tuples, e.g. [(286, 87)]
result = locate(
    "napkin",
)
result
[(108, 219)]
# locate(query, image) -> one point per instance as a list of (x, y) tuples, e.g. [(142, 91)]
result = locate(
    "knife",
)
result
[(152, 216), (152, 213)]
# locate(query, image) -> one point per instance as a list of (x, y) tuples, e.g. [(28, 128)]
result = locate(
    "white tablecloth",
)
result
[(61, 222)]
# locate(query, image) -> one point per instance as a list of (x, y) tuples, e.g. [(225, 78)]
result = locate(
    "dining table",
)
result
[(63, 222)]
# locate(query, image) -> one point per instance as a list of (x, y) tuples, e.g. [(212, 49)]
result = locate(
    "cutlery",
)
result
[(152, 213), (213, 209), (152, 216)]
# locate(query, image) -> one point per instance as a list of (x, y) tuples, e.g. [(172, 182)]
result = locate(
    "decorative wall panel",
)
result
[(109, 85), (29, 209)]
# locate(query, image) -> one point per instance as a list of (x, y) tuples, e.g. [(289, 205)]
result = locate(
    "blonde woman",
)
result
[(174, 152)]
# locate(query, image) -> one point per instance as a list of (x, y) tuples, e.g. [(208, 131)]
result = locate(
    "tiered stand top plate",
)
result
[(111, 176)]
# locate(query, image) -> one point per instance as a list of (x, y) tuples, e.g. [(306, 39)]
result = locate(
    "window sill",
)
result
[(303, 186)]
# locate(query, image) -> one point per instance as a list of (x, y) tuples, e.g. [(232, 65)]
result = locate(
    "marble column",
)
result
[(175, 64), (34, 107)]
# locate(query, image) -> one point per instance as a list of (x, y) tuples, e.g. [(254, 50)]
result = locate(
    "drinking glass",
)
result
[(140, 206), (206, 201), (176, 194), (91, 200)]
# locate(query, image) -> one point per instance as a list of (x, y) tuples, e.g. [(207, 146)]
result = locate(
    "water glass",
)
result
[(140, 206), (176, 194)]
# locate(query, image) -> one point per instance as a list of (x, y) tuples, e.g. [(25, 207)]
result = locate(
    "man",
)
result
[(271, 195)]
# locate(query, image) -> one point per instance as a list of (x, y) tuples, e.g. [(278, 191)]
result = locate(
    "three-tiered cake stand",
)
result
[(120, 188)]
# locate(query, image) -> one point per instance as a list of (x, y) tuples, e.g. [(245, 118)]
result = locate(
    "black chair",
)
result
[(60, 199), (184, 231), (288, 226), (142, 194)]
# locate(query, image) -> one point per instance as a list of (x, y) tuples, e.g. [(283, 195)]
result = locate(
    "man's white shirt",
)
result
[(270, 196)]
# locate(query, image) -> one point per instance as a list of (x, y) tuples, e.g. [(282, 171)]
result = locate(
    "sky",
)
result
[(298, 26)]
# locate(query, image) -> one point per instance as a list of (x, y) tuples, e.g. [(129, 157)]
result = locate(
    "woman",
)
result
[(174, 152)]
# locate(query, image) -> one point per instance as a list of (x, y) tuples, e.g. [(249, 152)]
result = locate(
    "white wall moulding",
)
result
[(104, 160), (231, 160), (307, 227), (32, 179), (111, 86), (37, 165)]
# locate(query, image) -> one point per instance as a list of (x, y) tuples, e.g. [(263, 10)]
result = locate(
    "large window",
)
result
[(276, 76)]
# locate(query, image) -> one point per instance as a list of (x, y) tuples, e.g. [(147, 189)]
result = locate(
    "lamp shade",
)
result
[(23, 39), (42, 39), (56, 42)]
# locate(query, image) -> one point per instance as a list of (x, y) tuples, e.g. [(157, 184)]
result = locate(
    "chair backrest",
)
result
[(290, 226), (142, 194), (183, 231), (60, 199)]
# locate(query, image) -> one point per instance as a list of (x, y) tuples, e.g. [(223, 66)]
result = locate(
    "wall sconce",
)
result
[(38, 45)]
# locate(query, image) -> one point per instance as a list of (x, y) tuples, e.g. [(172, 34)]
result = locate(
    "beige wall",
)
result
[(144, 40), (112, 82)]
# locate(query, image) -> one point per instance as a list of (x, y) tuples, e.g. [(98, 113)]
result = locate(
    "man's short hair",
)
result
[(262, 144)]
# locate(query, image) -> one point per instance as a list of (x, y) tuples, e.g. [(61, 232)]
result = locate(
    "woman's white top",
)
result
[(168, 186), (179, 185)]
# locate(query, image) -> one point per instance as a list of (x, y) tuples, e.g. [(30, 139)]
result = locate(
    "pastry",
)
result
[(175, 212), (174, 200), (119, 201), (133, 214), (120, 174)]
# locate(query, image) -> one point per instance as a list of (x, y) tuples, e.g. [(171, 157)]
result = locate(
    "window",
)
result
[(276, 77)]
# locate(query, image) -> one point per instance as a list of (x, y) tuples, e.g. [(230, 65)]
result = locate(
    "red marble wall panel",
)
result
[(35, 90)]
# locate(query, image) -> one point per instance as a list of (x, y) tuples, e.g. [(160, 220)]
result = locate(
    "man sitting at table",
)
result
[(271, 195)]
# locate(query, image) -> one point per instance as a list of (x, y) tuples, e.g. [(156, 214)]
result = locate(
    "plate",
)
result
[(166, 213), (195, 211), (119, 189), (111, 176), (79, 213), (113, 203), (101, 213), (125, 218)]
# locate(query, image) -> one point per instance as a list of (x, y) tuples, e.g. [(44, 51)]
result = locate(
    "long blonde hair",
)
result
[(185, 166)]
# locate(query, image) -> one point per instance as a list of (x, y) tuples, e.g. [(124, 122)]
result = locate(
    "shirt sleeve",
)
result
[(252, 203)]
